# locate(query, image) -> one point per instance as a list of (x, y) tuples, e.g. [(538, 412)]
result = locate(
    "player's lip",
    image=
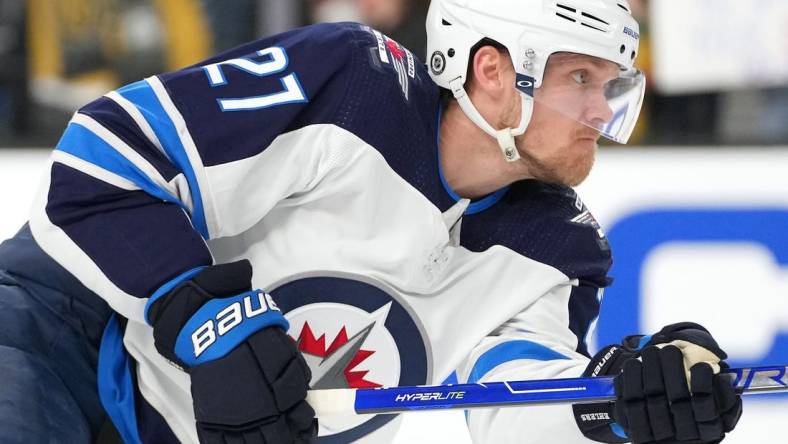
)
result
[(587, 135)]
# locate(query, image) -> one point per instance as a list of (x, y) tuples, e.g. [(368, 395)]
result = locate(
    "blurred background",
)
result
[(695, 207), (718, 69)]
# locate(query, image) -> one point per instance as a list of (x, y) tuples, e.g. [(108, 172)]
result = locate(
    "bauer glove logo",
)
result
[(221, 324)]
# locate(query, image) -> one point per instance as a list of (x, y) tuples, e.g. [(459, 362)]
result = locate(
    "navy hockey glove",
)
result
[(248, 380), (668, 390)]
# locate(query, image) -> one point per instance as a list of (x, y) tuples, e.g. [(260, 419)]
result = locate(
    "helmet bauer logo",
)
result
[(631, 33), (437, 63)]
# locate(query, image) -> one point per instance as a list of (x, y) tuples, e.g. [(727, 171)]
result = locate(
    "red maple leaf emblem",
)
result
[(317, 347), (395, 49)]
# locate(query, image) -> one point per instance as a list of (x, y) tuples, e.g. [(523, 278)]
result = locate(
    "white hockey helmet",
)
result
[(532, 31)]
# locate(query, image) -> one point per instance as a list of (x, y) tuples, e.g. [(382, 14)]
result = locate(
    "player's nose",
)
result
[(598, 112)]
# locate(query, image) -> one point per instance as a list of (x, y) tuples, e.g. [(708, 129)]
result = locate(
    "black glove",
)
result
[(248, 380), (654, 402)]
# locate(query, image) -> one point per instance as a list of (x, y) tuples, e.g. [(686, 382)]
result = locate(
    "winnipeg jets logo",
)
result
[(333, 366), (354, 333), (352, 358)]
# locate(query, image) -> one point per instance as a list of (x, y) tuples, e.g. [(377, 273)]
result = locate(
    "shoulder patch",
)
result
[(388, 55), (585, 218)]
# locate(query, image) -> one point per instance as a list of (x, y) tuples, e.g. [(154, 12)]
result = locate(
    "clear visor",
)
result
[(591, 91)]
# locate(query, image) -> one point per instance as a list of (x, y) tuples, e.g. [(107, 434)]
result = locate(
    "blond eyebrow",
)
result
[(568, 57)]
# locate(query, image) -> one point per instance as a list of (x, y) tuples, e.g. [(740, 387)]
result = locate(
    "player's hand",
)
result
[(248, 380), (255, 394), (668, 390), (674, 392)]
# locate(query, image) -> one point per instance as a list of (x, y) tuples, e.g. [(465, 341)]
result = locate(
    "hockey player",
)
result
[(409, 225)]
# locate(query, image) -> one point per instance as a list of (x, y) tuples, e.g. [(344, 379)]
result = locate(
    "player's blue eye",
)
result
[(581, 77)]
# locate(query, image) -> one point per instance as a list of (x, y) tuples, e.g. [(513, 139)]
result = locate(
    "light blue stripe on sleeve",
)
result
[(86, 145), (116, 389), (141, 94), (510, 351)]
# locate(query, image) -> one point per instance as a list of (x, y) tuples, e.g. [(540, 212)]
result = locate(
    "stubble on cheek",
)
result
[(567, 161), (578, 167)]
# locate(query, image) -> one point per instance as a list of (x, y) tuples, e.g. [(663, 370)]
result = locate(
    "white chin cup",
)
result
[(505, 137)]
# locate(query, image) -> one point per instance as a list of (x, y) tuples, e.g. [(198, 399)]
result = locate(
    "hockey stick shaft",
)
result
[(512, 393)]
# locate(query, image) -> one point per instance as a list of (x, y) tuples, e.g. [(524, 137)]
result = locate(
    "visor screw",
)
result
[(451, 52)]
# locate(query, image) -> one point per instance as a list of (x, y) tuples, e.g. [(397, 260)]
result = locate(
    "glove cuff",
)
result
[(220, 325), (206, 312), (596, 422)]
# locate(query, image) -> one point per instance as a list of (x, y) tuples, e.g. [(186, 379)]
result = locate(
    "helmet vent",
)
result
[(585, 14), (624, 7), (445, 23), (574, 15), (565, 17), (592, 27), (568, 8)]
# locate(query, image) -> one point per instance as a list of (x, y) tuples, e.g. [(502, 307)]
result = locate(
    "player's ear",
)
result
[(488, 71)]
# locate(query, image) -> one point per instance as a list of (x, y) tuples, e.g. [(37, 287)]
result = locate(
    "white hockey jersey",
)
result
[(314, 155)]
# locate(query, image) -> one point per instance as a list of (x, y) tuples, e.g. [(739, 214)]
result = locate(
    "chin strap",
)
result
[(505, 137)]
